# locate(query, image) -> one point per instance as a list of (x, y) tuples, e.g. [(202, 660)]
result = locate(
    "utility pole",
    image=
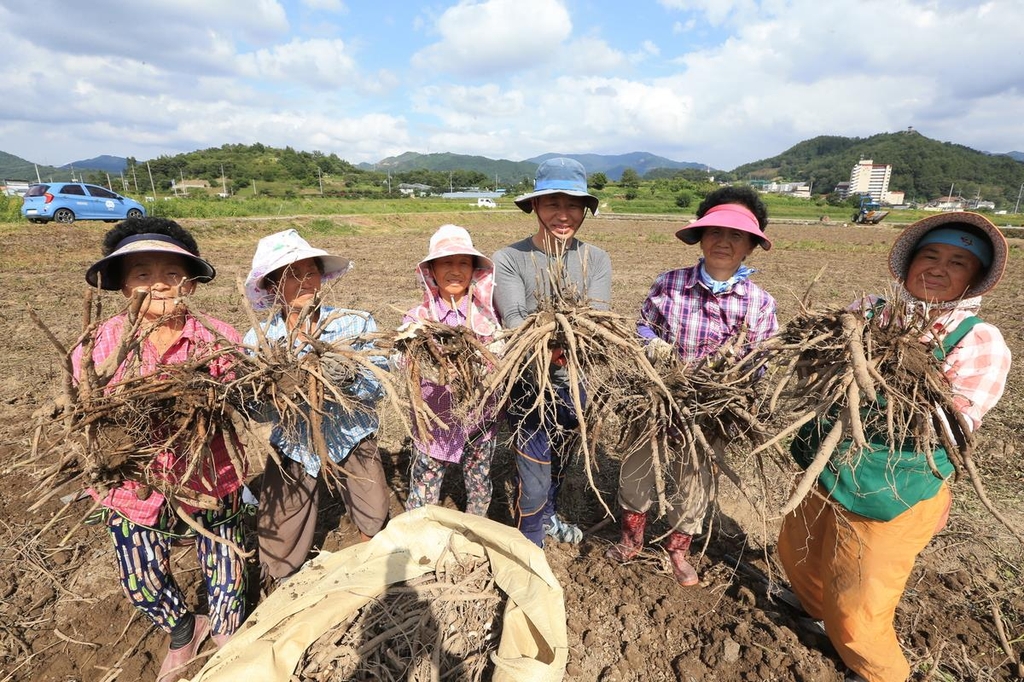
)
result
[(152, 184), (1017, 205), (320, 177), (135, 178), (109, 186)]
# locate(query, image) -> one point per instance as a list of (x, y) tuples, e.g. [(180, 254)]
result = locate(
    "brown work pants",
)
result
[(289, 500), (689, 487)]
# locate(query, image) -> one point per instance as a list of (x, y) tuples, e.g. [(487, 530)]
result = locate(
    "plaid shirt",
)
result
[(342, 430), (680, 309), (218, 477), (976, 368)]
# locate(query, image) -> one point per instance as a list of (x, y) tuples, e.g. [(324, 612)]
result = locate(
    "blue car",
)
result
[(67, 202)]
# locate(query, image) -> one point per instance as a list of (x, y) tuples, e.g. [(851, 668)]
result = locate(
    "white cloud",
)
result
[(496, 36), (316, 62), (336, 6)]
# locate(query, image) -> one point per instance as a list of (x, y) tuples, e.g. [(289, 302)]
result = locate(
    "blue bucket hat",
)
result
[(559, 176)]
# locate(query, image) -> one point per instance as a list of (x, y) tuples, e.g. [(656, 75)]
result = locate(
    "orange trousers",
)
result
[(850, 572)]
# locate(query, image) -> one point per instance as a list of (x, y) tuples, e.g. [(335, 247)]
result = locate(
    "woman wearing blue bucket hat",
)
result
[(523, 278)]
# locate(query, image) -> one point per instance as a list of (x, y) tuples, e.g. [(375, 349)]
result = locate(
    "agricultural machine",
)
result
[(870, 212)]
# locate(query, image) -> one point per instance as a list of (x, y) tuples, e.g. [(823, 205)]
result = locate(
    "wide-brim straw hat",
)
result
[(452, 240), (559, 176), (905, 246), (280, 250), (733, 216), (98, 274)]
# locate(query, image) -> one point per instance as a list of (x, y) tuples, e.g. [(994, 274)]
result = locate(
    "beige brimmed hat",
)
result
[(907, 244), (559, 176), (452, 240), (99, 275), (280, 250)]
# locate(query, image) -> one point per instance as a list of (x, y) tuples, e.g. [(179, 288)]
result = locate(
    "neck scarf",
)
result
[(477, 304), (717, 287)]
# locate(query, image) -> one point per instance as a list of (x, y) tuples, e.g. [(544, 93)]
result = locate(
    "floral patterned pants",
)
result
[(428, 473)]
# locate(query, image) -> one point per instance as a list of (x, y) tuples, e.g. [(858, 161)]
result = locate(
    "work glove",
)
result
[(562, 531), (659, 350), (338, 372)]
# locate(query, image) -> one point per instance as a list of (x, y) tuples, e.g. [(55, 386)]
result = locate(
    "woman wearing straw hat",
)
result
[(286, 276), (458, 284), (525, 274), (850, 546)]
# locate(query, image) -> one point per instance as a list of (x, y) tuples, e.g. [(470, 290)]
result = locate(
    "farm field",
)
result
[(63, 617)]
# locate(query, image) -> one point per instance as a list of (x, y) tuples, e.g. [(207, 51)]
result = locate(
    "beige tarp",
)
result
[(533, 645)]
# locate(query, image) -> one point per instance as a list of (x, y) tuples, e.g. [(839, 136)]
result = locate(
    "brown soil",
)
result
[(62, 615)]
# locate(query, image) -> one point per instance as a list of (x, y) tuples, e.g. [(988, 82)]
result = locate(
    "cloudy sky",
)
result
[(720, 82)]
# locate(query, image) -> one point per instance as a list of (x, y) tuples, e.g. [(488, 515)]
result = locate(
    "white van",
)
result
[(485, 203)]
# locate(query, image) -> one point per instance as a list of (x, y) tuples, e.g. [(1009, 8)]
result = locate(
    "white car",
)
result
[(485, 203)]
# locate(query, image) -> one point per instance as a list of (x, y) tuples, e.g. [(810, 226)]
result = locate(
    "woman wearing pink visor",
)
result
[(693, 312)]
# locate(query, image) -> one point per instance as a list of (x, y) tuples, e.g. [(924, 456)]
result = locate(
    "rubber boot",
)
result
[(632, 540), (176, 659), (678, 547)]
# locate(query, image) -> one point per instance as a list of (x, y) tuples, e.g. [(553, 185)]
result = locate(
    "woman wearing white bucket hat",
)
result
[(523, 277), (458, 282), (850, 546), (286, 276)]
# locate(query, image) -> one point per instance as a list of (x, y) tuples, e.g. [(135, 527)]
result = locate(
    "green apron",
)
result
[(883, 480)]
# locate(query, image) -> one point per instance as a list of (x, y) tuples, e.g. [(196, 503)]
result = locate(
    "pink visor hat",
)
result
[(733, 216)]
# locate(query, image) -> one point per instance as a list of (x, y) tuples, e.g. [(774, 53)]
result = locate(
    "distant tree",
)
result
[(630, 178), (597, 180), (684, 199), (631, 194)]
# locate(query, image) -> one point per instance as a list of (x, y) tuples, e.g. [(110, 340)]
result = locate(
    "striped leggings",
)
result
[(144, 564)]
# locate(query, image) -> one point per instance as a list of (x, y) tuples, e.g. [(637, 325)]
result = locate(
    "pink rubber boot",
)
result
[(632, 541), (678, 547)]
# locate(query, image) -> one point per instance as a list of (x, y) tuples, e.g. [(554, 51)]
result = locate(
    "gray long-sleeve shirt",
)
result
[(522, 276)]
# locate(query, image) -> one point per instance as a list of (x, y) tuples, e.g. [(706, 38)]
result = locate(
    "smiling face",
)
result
[(559, 217), (724, 250), (164, 276), (295, 285), (453, 275), (942, 272)]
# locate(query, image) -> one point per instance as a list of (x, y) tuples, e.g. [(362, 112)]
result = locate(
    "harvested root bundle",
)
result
[(441, 625), (453, 357), (712, 406), (873, 382), (158, 430), (303, 380), (594, 351)]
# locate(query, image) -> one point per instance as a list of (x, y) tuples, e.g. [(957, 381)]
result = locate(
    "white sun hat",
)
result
[(280, 250)]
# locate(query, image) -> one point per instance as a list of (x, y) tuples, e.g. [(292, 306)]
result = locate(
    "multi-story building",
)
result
[(870, 178)]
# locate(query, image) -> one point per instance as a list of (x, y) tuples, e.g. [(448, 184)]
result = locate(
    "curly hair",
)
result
[(146, 225), (744, 195)]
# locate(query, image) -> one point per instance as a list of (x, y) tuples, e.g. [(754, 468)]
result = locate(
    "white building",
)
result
[(871, 178)]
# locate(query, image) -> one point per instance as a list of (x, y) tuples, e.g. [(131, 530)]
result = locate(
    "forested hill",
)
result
[(921, 167)]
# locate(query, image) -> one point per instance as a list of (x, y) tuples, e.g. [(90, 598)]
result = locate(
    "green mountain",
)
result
[(613, 165), (16, 168), (921, 167), (507, 172)]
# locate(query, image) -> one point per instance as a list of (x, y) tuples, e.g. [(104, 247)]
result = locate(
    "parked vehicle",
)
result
[(870, 212), (66, 202), (485, 203)]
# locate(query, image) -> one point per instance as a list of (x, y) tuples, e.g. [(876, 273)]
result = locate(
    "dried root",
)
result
[(442, 625)]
